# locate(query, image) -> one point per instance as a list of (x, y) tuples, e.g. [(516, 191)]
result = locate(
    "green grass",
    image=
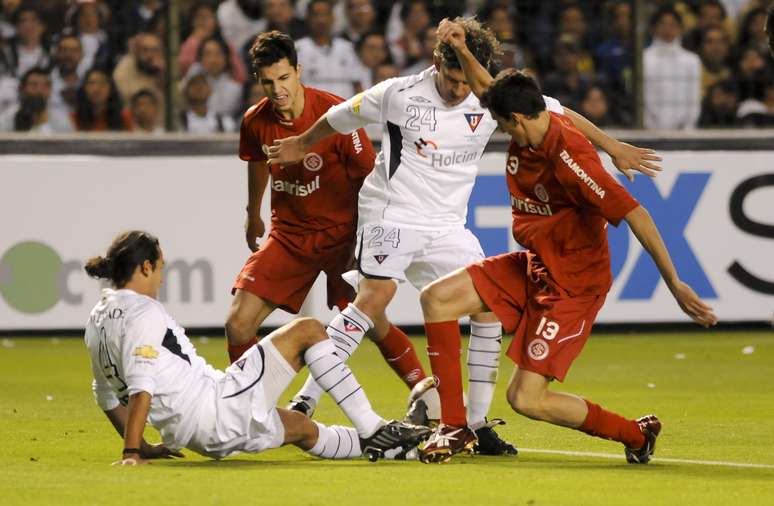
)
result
[(716, 404)]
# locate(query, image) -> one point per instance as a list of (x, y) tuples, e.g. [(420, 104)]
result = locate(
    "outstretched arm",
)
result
[(645, 230), (293, 149)]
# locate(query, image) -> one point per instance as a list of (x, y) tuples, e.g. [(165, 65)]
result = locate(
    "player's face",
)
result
[(281, 82), (452, 85)]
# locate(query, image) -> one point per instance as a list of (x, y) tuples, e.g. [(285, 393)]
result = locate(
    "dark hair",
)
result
[(29, 107), (223, 47), (371, 33), (712, 3), (128, 251), (84, 112), (406, 8), (665, 10), (312, 3), (514, 91), (143, 93), (745, 38), (481, 42), (271, 47), (33, 71)]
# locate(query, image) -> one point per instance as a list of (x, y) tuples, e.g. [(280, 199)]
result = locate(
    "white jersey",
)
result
[(425, 172), (135, 346)]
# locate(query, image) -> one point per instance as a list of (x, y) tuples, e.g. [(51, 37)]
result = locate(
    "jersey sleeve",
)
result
[(586, 181), (141, 347), (250, 149), (553, 105), (363, 109), (357, 153)]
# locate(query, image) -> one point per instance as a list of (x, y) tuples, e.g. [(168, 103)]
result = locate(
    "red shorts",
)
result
[(283, 271), (550, 327)]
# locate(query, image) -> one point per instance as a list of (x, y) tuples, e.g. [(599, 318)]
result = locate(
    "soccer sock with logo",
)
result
[(335, 378), (236, 350), (398, 351), (336, 442), (444, 349), (607, 425), (483, 366), (346, 330)]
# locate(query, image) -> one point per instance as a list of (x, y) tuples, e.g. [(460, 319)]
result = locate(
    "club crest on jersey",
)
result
[(541, 193), (537, 349), (513, 165), (474, 119), (421, 144), (380, 258), (313, 162), (241, 363)]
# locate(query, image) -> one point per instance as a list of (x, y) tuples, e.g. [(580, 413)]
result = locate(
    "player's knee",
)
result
[(308, 331), (238, 329), (433, 298), (523, 404)]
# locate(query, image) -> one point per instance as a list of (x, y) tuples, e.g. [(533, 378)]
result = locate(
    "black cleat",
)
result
[(391, 436), (303, 404), (650, 426), (490, 443), (424, 405)]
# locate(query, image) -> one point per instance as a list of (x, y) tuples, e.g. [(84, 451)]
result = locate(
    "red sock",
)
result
[(444, 349), (236, 350), (607, 425), (398, 351)]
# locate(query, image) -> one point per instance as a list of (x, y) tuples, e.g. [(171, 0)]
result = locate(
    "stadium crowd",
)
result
[(101, 65)]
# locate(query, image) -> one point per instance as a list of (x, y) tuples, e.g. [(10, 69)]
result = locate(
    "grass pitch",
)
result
[(716, 402)]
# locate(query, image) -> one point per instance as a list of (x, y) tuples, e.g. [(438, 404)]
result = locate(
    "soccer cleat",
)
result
[(650, 426), (490, 443), (447, 440), (303, 404), (424, 405), (394, 435)]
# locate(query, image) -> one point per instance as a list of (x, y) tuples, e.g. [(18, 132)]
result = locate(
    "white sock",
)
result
[(483, 366), (336, 442), (333, 375), (346, 330)]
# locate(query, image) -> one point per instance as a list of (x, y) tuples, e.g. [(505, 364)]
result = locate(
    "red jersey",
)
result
[(321, 191), (562, 199)]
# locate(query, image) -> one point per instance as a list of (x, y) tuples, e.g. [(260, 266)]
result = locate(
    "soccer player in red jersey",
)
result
[(549, 295), (314, 211)]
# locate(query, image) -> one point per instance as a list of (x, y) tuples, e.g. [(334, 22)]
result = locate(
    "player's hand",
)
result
[(628, 158), (254, 228), (692, 305), (286, 151), (158, 451), (451, 33), (130, 461)]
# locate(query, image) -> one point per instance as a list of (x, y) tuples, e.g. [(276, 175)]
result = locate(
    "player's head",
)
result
[(513, 98), (481, 42), (134, 258), (275, 63), (770, 27)]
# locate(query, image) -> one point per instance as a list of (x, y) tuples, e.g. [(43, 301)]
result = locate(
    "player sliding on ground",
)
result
[(314, 214), (413, 206), (146, 368), (562, 200)]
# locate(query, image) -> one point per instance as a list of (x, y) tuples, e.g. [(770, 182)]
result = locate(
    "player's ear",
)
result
[(516, 118), (299, 67), (146, 268)]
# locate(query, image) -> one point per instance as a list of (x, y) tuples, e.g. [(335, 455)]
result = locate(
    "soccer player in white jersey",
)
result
[(412, 207), (146, 368)]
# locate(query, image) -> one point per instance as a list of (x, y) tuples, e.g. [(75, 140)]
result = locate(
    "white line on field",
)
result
[(655, 459)]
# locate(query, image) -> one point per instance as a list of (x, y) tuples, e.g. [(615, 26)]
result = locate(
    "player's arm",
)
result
[(626, 157), (645, 230), (292, 149), (126, 424), (257, 179)]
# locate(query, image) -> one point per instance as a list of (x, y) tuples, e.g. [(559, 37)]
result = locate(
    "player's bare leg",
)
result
[(245, 316), (529, 395)]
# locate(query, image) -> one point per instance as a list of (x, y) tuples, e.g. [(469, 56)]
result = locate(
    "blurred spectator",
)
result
[(565, 82), (361, 19), (99, 107), (750, 71), (595, 106), (613, 57), (758, 111), (711, 14), (27, 49), (572, 21), (499, 18), (280, 15), (89, 19), (407, 49), (371, 51), (752, 29), (66, 73), (672, 87), (144, 108), (429, 40), (143, 68), (714, 52), (141, 15), (718, 109), (199, 118), (239, 21), (385, 71), (213, 61), (326, 61), (204, 25), (32, 112), (252, 93), (8, 10)]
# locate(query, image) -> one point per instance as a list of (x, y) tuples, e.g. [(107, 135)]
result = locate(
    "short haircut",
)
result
[(39, 71), (271, 47), (312, 3), (481, 42), (407, 7), (514, 91), (128, 251), (665, 10), (713, 3), (143, 93)]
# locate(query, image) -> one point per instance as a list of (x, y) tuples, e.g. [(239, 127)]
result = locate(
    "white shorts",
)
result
[(388, 251), (243, 416)]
